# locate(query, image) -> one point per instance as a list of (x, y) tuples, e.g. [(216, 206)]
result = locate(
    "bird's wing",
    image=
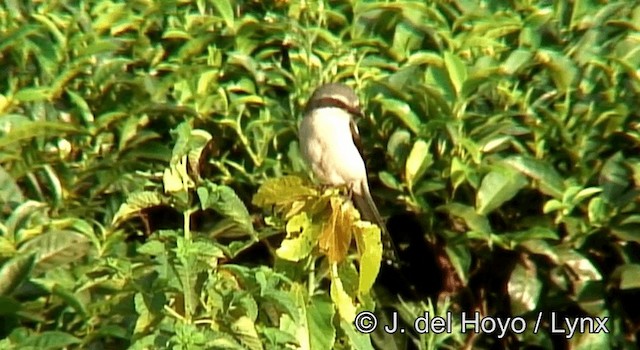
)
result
[(355, 135)]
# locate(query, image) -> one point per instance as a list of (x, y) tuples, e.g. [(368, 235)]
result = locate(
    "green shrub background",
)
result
[(508, 131)]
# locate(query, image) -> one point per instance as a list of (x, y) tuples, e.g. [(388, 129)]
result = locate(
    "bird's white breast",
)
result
[(327, 145)]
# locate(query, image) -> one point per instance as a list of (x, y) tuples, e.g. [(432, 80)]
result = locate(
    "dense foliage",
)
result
[(149, 169)]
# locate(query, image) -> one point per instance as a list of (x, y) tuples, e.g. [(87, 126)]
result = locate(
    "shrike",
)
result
[(330, 144)]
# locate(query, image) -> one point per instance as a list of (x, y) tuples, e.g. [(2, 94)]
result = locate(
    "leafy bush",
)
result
[(144, 147)]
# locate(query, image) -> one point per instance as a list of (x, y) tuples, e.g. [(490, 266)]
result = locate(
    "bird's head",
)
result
[(335, 95)]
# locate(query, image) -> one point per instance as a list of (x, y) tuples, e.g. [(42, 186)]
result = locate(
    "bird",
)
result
[(330, 144)]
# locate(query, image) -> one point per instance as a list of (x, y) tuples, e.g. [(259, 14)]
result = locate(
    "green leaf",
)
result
[(225, 8), (457, 71), (548, 179), (56, 248), (597, 211), (358, 340), (524, 287), (562, 70), (70, 298), (28, 131), (460, 258), (82, 105), (50, 340), (472, 219), (320, 312), (461, 172), (582, 270), (389, 180), (591, 341), (534, 233), (224, 200), (9, 190), (614, 179), (496, 188), (7, 247), (418, 161), (33, 94), (54, 184), (8, 306), (517, 59), (152, 248), (15, 271), (402, 111), (399, 145), (245, 330), (135, 203), (21, 215), (584, 194), (629, 276), (444, 92), (406, 38)]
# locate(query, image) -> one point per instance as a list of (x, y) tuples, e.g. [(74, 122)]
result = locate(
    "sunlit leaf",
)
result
[(524, 288), (225, 7), (418, 161), (370, 249), (456, 69), (282, 190), (302, 237), (340, 298)]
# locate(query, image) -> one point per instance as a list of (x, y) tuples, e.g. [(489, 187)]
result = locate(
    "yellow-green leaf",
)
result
[(417, 162), (457, 71), (302, 237), (370, 248), (282, 190), (341, 299), (225, 8)]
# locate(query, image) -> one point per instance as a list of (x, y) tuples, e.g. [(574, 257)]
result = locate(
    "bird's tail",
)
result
[(369, 212)]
